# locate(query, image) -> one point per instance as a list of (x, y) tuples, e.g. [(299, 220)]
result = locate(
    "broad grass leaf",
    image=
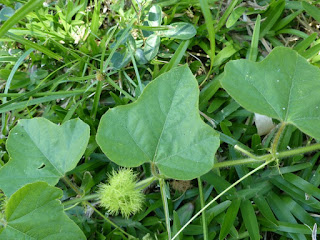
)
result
[(283, 86), (34, 212), (282, 212), (163, 127), (42, 151), (229, 218), (250, 219), (311, 10), (234, 16), (265, 209), (176, 225)]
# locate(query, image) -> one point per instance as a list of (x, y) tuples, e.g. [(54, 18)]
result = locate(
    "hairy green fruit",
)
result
[(120, 194)]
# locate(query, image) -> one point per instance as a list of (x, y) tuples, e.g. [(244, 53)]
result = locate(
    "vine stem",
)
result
[(107, 219), (249, 154), (145, 183), (204, 217), (221, 194), (274, 146), (140, 185), (165, 205), (82, 199), (263, 158), (73, 186), (76, 190)]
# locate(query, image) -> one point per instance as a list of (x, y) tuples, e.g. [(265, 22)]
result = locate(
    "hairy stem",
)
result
[(73, 186), (145, 182), (82, 199), (274, 146), (108, 220), (77, 190), (266, 157), (245, 152)]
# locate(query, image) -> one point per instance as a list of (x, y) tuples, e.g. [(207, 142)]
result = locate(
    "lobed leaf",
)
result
[(34, 212), (42, 151), (283, 86), (162, 127)]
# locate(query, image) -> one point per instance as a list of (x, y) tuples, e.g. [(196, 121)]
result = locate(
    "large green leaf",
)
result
[(163, 127), (42, 151), (283, 86), (34, 212)]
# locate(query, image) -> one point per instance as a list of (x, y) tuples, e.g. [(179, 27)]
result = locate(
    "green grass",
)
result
[(77, 59)]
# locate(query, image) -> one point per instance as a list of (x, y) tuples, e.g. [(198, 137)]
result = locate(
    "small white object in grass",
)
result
[(263, 123), (314, 232)]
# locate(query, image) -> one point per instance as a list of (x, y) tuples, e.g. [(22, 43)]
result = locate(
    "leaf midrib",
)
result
[(8, 226), (165, 121), (290, 92), (61, 174)]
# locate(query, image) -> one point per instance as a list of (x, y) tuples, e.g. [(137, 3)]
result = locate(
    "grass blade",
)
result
[(265, 209), (34, 45), (24, 104), (250, 219), (229, 218), (204, 217), (284, 22), (226, 14), (311, 51), (304, 44), (18, 15), (209, 24), (255, 40), (272, 16), (313, 11), (176, 58), (8, 83)]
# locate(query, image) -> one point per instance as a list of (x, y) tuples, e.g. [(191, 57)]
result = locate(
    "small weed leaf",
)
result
[(152, 46), (34, 212), (283, 86), (155, 16), (179, 30), (42, 151), (164, 127)]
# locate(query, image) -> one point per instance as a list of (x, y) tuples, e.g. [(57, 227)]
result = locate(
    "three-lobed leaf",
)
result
[(283, 86), (42, 151), (162, 127), (34, 212)]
